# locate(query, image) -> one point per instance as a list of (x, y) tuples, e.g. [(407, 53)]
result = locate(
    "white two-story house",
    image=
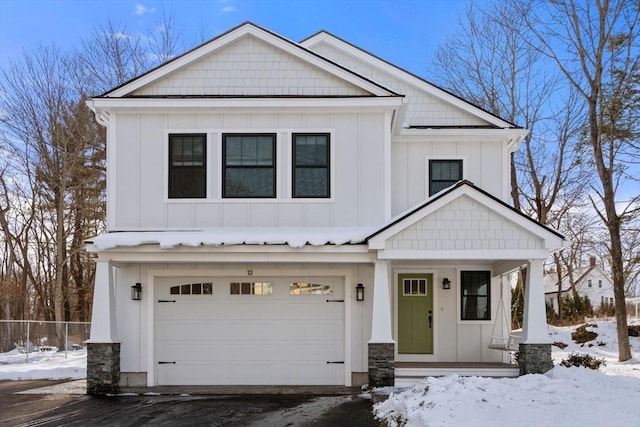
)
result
[(304, 214)]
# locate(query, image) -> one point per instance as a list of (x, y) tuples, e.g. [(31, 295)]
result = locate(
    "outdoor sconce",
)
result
[(136, 292), (359, 292), (446, 283)]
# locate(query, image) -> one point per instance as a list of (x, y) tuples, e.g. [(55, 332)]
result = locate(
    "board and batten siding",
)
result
[(140, 165), (483, 164)]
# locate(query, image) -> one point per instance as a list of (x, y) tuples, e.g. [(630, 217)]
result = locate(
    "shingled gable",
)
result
[(360, 86), (476, 222), (324, 42)]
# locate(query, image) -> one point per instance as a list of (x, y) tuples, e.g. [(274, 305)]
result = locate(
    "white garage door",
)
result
[(250, 331)]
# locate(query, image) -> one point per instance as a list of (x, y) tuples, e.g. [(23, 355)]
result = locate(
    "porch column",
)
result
[(381, 346), (103, 350), (535, 346)]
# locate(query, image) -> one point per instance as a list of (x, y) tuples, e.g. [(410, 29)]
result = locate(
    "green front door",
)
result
[(415, 313)]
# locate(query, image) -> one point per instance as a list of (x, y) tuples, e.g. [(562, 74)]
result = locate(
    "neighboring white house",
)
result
[(590, 281), (305, 213)]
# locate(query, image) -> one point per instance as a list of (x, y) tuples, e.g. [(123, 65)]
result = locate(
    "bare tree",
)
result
[(586, 41), (489, 64)]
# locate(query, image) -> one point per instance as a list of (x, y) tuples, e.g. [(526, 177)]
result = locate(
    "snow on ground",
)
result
[(562, 397), (43, 365)]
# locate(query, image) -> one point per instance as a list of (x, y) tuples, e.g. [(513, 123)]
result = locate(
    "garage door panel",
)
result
[(278, 338)]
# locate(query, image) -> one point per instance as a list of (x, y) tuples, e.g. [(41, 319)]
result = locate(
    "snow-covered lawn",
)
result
[(562, 397), (43, 365)]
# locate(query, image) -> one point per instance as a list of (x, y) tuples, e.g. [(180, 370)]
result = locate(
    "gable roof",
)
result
[(428, 87), (552, 239), (248, 29)]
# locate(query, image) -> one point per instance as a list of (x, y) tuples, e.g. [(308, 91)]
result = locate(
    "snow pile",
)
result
[(561, 397), (43, 365)]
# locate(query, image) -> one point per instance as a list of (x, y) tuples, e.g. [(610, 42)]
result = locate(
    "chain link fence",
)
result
[(28, 336)]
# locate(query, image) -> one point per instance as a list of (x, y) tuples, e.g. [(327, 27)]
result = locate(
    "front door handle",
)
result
[(430, 319)]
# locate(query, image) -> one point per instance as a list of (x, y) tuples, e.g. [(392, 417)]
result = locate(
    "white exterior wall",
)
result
[(595, 292), (132, 320), (483, 164), (138, 195)]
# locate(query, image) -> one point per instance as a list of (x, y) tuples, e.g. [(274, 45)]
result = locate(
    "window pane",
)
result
[(234, 289), (304, 288), (249, 166), (475, 295), (311, 182), (207, 288), (185, 289), (187, 166), (196, 288), (249, 182), (311, 150), (443, 174), (175, 290), (311, 165)]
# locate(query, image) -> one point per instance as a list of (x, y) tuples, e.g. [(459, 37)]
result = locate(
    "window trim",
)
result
[(327, 166), (170, 167), (461, 297), (223, 165), (461, 159)]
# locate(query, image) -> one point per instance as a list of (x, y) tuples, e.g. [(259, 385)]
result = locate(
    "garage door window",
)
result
[(305, 288), (192, 289), (251, 288)]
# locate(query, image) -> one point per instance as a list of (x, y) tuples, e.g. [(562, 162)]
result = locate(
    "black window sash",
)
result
[(319, 166)]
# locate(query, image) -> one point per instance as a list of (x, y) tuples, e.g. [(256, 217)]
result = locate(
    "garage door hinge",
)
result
[(335, 300), (166, 363), (339, 362), (166, 300)]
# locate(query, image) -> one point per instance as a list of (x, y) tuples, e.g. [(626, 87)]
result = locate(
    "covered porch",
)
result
[(442, 290)]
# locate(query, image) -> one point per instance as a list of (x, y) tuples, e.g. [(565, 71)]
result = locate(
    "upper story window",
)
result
[(475, 295), (249, 165), (589, 283), (187, 166), (599, 283), (311, 165), (443, 174)]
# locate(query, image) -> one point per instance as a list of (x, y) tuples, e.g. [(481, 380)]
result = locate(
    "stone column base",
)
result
[(103, 368), (534, 358), (381, 364)]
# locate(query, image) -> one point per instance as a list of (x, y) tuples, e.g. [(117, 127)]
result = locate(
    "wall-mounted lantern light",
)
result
[(136, 292), (359, 292), (446, 283)]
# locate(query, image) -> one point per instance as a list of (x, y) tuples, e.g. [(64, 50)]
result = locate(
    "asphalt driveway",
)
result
[(251, 410)]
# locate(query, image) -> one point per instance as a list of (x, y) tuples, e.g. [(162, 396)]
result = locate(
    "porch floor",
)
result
[(410, 373)]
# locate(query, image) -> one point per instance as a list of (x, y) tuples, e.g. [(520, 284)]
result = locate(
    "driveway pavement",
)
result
[(291, 410)]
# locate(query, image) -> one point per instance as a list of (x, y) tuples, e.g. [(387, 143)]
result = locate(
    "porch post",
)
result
[(103, 350), (535, 345), (381, 346)]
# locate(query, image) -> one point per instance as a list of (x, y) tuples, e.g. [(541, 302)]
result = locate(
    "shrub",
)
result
[(584, 361), (581, 335)]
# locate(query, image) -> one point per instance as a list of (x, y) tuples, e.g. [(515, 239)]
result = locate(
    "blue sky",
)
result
[(404, 32)]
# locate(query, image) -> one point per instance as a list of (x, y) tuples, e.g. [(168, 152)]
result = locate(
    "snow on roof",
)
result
[(295, 237)]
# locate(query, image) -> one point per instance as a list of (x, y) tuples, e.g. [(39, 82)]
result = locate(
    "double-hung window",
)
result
[(475, 295), (187, 166), (443, 174), (311, 165), (249, 165)]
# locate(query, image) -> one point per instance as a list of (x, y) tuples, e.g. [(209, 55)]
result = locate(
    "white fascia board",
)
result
[(248, 29), (229, 104), (512, 135), (502, 254), (405, 76)]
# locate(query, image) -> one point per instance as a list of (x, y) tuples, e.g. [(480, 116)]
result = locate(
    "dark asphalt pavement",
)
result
[(179, 410)]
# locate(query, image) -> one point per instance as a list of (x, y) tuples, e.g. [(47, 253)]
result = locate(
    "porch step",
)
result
[(410, 373)]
